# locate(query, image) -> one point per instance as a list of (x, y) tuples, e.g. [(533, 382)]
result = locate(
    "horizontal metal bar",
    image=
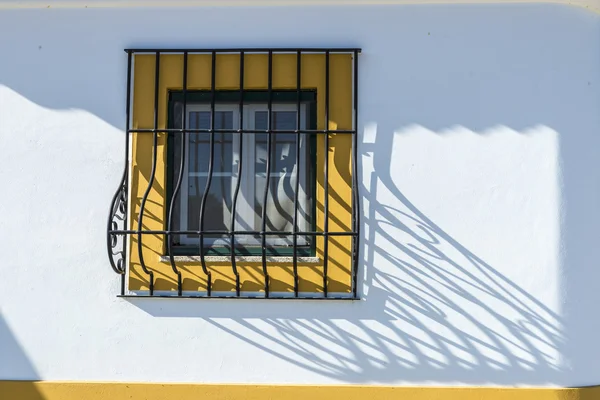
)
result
[(233, 174), (209, 233), (273, 174), (272, 131), (205, 174), (252, 50), (300, 297), (305, 260)]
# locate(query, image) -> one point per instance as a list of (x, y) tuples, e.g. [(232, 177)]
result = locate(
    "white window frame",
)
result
[(245, 213)]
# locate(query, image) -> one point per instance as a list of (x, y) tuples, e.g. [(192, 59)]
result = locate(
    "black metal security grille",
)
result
[(118, 230)]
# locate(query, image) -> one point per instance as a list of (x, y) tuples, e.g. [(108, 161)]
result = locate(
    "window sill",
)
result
[(244, 259)]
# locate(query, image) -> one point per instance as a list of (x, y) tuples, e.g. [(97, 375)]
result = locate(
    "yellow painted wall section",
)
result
[(255, 78), (26, 390)]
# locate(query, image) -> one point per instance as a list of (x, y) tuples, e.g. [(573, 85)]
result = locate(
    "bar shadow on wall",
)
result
[(401, 331)]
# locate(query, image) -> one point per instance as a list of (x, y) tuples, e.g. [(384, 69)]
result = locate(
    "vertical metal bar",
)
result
[(152, 174), (297, 188), (269, 155), (356, 199), (123, 278), (210, 171), (120, 195), (184, 138), (326, 182), (239, 179), (124, 182)]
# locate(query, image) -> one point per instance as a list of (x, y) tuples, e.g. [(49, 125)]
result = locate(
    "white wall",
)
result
[(481, 192)]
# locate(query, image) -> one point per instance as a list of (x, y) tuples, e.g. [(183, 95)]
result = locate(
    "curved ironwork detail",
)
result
[(239, 179), (355, 183), (297, 185), (117, 220), (211, 162), (268, 178), (151, 178), (179, 179)]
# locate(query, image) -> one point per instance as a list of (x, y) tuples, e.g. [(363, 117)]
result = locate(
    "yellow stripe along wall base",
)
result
[(32, 390)]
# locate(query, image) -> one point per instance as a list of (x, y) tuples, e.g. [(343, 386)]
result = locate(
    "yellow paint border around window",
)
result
[(255, 78)]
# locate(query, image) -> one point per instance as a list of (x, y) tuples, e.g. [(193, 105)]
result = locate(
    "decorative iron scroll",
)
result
[(117, 221)]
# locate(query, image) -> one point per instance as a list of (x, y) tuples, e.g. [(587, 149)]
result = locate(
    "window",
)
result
[(286, 167), (241, 175)]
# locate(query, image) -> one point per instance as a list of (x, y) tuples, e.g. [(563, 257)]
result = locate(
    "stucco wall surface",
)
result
[(480, 187)]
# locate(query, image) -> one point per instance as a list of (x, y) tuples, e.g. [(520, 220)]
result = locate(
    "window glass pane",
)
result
[(218, 202), (284, 172), (282, 182), (284, 156)]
